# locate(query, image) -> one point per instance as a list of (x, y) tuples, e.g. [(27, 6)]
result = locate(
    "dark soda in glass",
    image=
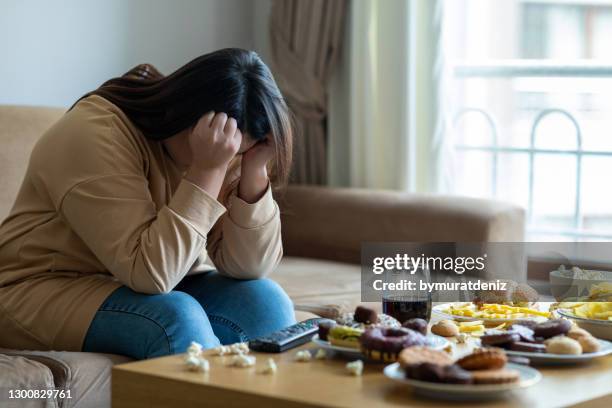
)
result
[(407, 307)]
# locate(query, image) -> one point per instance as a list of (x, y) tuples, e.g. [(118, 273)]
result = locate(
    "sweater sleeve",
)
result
[(250, 246), (147, 250)]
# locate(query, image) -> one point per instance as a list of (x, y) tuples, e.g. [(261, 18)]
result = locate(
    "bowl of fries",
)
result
[(491, 314), (594, 317)]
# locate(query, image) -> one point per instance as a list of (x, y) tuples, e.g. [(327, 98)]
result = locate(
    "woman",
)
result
[(146, 220)]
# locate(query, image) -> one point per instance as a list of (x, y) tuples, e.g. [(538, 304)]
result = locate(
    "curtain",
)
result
[(305, 38)]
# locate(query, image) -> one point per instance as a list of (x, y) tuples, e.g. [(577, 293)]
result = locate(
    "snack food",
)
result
[(344, 336), (416, 324), (355, 367), (483, 359), (385, 343), (563, 345), (589, 344), (499, 339), (525, 333), (494, 311), (418, 355), (450, 374), (499, 376), (552, 328), (365, 315), (528, 347), (348, 319), (576, 333), (445, 328), (269, 367), (324, 328), (515, 294)]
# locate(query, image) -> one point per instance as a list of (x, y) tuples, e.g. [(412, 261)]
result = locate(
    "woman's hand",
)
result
[(254, 173), (214, 142)]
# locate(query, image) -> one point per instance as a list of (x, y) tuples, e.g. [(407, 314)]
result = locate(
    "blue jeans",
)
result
[(208, 308)]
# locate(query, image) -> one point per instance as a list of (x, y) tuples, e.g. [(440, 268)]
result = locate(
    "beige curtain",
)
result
[(305, 37)]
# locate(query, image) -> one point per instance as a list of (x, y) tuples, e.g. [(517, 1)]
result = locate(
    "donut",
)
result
[(385, 343), (365, 315), (416, 324), (499, 339), (552, 328)]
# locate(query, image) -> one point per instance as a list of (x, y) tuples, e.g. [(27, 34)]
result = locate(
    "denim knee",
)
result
[(263, 307), (184, 320)]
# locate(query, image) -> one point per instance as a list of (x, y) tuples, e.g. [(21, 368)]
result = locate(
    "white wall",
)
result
[(52, 52)]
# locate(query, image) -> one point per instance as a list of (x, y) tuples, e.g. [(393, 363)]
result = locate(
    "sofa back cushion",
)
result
[(20, 128)]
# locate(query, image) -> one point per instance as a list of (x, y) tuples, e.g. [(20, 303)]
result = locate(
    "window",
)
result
[(530, 95)]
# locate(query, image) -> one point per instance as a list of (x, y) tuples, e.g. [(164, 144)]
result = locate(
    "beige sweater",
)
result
[(102, 206)]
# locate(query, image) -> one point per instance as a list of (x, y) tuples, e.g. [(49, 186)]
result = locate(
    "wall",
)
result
[(52, 52)]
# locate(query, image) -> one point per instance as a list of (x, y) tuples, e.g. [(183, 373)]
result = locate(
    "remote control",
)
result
[(287, 338)]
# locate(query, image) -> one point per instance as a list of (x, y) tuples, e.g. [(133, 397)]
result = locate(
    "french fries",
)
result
[(494, 311)]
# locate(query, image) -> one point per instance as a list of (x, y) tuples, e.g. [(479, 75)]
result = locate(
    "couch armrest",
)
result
[(331, 223)]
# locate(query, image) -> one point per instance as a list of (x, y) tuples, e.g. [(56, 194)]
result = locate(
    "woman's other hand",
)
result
[(254, 174), (214, 142)]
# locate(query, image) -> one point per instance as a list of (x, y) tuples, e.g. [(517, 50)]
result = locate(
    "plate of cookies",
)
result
[(484, 374), (554, 341), (378, 337)]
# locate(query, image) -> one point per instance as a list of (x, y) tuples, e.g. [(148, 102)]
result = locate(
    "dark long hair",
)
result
[(230, 80)]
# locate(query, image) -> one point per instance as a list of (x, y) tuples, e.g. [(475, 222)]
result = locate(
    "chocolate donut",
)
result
[(416, 324), (385, 343), (365, 315), (552, 328), (499, 339), (529, 347)]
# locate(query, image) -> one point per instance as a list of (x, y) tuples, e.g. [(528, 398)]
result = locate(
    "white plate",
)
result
[(548, 358), (528, 377), (437, 343), (439, 310)]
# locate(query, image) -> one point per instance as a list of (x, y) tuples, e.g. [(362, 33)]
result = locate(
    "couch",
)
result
[(323, 229)]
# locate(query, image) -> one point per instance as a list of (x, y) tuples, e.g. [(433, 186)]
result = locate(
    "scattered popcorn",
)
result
[(355, 367), (321, 354), (239, 348), (461, 338), (303, 356), (220, 350), (242, 361), (194, 349), (269, 367), (197, 364)]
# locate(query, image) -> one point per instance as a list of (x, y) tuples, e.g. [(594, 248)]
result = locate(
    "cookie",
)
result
[(500, 376), (524, 332), (499, 339), (483, 359), (552, 328), (528, 347), (576, 333), (445, 328), (450, 374), (365, 315), (416, 324), (589, 344), (563, 345), (419, 354)]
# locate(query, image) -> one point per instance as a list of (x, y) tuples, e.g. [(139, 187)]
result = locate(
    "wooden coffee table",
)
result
[(164, 382)]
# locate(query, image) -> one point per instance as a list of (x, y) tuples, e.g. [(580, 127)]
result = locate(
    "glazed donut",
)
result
[(385, 343)]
